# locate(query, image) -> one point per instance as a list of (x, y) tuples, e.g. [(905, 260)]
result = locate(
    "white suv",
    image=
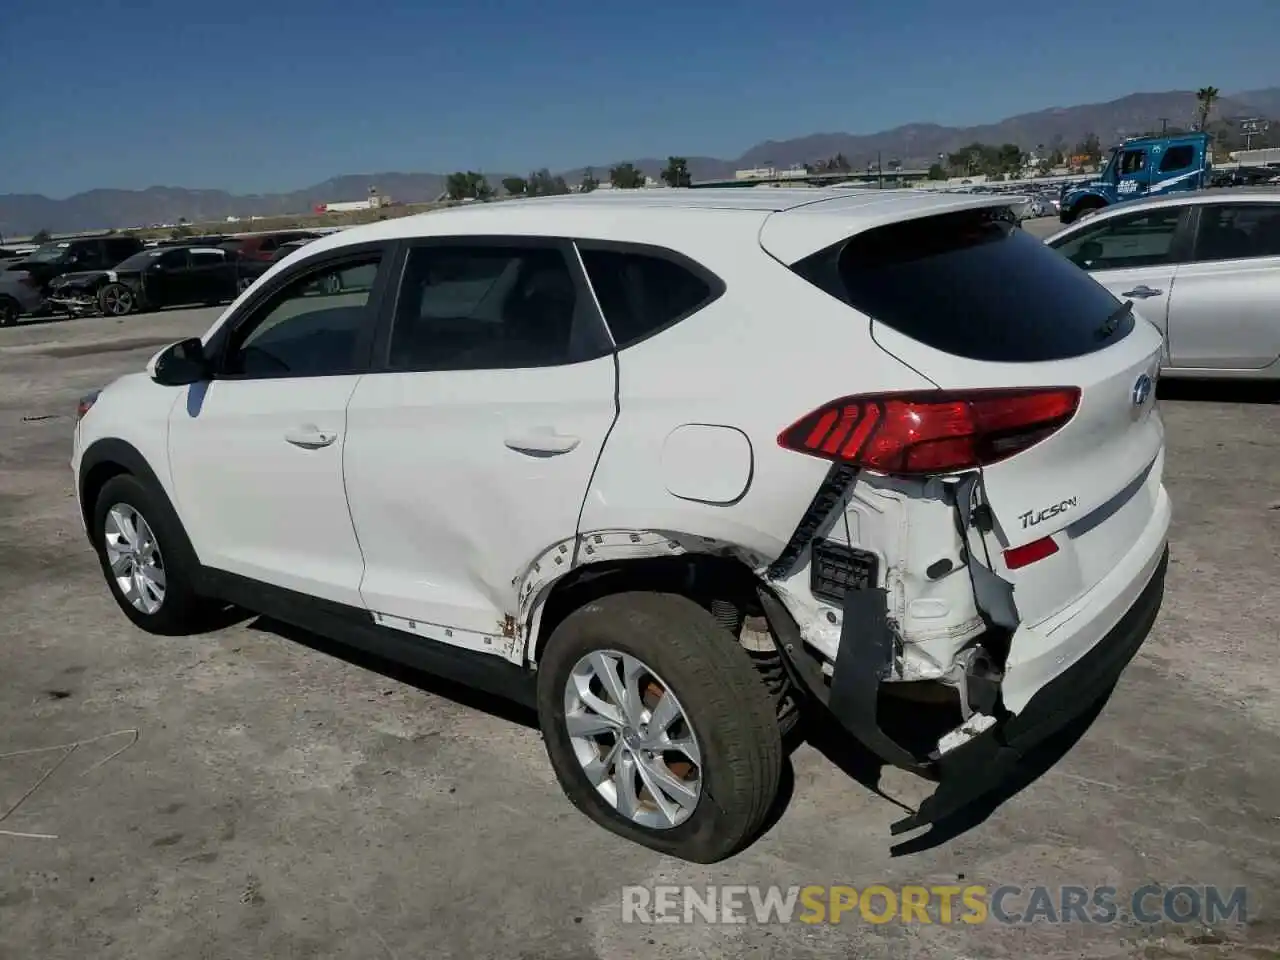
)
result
[(671, 466)]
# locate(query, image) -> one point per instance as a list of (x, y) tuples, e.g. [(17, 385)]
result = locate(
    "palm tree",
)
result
[(1206, 97)]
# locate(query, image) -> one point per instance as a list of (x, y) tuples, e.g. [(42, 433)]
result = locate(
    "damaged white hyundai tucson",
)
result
[(675, 467)]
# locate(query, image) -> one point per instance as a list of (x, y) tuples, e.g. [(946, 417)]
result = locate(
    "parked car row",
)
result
[(119, 275)]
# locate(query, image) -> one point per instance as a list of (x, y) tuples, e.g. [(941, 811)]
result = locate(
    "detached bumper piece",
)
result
[(973, 770)]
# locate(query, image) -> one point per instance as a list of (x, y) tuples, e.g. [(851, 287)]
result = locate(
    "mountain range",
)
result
[(914, 144)]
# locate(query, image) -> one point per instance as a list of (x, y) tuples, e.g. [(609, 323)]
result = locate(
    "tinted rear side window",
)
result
[(972, 284), (640, 294)]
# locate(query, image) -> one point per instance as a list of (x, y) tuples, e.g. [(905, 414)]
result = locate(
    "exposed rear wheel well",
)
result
[(724, 586), (710, 581)]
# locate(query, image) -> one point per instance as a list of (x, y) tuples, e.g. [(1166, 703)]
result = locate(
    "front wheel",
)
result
[(9, 312), (117, 300), (138, 549), (658, 727)]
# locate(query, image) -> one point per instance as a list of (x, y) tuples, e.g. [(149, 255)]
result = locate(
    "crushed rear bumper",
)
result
[(977, 767)]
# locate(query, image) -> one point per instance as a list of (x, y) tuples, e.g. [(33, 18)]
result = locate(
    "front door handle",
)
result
[(545, 442), (310, 438), (1142, 291)]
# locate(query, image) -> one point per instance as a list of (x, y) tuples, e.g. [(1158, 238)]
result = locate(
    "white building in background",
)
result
[(1266, 156)]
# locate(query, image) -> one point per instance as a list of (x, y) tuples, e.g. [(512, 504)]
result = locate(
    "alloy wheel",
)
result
[(134, 557), (117, 301), (633, 739)]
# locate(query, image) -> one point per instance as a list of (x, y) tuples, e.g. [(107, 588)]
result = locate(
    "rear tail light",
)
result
[(931, 432)]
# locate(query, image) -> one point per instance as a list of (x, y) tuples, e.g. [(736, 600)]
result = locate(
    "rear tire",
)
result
[(140, 552), (728, 777), (9, 312)]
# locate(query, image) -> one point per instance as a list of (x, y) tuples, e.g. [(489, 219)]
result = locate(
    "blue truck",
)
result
[(1144, 166)]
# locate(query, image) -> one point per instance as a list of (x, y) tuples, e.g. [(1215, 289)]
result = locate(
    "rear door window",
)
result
[(492, 306), (641, 292), (1237, 231), (973, 285)]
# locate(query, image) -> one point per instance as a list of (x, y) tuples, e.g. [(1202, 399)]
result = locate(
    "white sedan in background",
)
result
[(1203, 266)]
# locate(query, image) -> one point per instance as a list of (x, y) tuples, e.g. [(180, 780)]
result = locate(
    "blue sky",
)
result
[(267, 95)]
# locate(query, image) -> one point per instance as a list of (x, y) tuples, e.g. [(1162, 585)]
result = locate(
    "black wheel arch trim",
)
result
[(112, 451)]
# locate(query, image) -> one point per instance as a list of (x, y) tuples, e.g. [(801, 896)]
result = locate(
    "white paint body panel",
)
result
[(1038, 653), (253, 503), (134, 409), (449, 516), (760, 357)]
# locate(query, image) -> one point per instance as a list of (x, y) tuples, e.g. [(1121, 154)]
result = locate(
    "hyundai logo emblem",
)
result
[(1141, 390)]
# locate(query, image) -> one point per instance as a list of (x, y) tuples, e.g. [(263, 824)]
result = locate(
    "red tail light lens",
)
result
[(930, 432), (1017, 557)]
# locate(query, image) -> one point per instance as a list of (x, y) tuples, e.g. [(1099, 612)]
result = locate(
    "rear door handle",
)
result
[(1142, 291), (310, 438), (545, 441)]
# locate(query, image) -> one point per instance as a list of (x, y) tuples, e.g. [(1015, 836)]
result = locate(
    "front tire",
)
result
[(658, 727), (139, 552), (117, 300), (9, 312)]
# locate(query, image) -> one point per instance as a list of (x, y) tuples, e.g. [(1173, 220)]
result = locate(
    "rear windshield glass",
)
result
[(974, 285)]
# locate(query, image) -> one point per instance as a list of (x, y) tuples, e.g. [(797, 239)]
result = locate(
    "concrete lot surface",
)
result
[(245, 795)]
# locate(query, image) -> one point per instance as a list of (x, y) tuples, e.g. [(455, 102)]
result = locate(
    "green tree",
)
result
[(676, 172), (543, 184), (625, 176), (936, 172), (42, 236), (515, 186), (589, 181), (1206, 97), (468, 186), (1009, 158)]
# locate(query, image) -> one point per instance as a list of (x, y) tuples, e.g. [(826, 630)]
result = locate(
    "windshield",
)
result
[(49, 252), (1109, 171)]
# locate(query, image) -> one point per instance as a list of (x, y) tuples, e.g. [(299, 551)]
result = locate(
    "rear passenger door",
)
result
[(472, 442), (1223, 314), (209, 278), (167, 280)]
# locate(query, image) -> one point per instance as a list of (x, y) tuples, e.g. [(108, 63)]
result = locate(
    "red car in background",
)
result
[(264, 246)]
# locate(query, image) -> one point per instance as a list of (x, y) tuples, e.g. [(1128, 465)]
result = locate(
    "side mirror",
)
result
[(182, 364)]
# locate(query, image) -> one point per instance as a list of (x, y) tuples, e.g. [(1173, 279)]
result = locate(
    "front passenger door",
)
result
[(257, 453), (1134, 255)]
